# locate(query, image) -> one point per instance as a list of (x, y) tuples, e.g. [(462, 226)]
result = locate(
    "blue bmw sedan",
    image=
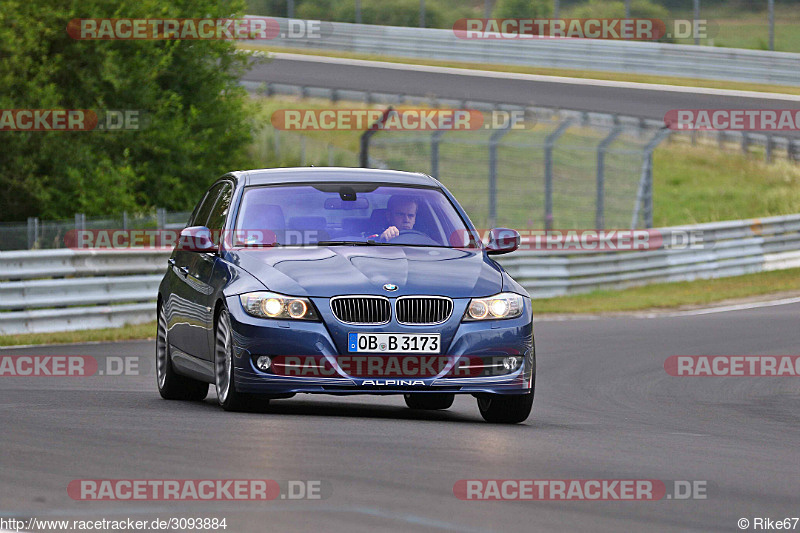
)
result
[(343, 281)]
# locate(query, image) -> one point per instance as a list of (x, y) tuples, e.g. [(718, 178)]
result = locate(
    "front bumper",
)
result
[(467, 344)]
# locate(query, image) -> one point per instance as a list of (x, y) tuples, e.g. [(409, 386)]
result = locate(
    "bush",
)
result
[(616, 9), (394, 13), (527, 9), (198, 121)]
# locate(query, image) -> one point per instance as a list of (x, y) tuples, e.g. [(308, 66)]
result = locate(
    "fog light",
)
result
[(263, 363), (510, 363)]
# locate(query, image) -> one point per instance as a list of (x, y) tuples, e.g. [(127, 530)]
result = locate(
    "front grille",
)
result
[(423, 309), (361, 309)]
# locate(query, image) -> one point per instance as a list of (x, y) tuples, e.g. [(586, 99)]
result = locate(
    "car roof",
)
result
[(268, 176)]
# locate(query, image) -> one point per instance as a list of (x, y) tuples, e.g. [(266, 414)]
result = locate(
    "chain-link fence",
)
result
[(565, 170), (49, 234), (290, 149)]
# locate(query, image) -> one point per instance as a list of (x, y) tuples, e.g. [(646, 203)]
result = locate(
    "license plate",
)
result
[(393, 342)]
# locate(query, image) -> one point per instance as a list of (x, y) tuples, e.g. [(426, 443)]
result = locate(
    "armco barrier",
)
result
[(663, 59), (60, 290), (729, 248)]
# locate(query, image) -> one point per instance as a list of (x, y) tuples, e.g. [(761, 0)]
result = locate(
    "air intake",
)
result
[(361, 309)]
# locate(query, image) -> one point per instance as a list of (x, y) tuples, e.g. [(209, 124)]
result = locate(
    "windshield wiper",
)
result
[(350, 243)]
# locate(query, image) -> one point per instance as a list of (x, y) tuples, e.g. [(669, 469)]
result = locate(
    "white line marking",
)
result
[(536, 77), (737, 307)]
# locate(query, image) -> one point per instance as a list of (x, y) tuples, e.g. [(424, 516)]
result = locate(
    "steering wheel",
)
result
[(417, 237)]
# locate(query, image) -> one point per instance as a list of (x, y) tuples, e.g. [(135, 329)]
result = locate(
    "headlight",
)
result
[(271, 305), (503, 305)]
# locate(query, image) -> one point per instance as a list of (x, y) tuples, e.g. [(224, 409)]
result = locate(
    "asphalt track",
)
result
[(638, 100), (605, 408)]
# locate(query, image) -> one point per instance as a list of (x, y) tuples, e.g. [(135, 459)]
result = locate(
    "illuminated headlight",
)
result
[(503, 305), (272, 305)]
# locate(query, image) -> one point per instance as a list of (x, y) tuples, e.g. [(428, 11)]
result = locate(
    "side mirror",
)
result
[(196, 239), (502, 241)]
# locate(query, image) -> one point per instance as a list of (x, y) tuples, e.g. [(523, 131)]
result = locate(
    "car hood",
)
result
[(326, 271)]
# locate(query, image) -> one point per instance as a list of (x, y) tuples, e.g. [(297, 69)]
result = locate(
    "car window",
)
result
[(204, 209), (309, 213), (216, 220)]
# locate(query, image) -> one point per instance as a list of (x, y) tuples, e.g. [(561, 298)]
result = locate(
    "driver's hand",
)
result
[(390, 233)]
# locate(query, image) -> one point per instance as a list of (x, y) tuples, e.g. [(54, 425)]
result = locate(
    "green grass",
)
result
[(124, 333), (673, 295), (736, 28), (586, 74), (695, 184)]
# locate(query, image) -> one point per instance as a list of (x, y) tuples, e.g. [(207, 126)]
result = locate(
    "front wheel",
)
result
[(171, 385), (228, 397), (429, 402), (505, 408)]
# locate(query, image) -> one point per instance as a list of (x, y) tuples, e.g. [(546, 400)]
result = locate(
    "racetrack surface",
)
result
[(584, 95), (605, 408)]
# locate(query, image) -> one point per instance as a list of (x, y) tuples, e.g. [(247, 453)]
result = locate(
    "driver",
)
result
[(401, 215)]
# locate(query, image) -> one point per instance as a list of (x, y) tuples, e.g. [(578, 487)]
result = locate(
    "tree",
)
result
[(197, 118)]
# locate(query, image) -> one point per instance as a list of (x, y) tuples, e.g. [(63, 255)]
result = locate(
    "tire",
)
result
[(429, 402), (505, 408), (171, 385), (224, 372)]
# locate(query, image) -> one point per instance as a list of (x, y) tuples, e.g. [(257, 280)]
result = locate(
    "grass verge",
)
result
[(673, 295), (585, 74), (124, 333)]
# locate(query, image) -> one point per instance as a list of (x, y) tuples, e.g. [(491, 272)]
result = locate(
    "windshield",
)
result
[(349, 214)]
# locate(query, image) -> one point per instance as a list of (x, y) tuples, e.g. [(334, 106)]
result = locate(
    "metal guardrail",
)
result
[(729, 248), (60, 290), (662, 59)]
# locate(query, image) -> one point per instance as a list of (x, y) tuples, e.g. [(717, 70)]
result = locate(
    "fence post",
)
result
[(302, 150), (363, 156), (493, 141), (80, 221), (600, 218), (33, 232), (124, 221), (436, 137), (330, 155), (549, 143), (644, 195), (768, 149), (277, 142), (161, 218)]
